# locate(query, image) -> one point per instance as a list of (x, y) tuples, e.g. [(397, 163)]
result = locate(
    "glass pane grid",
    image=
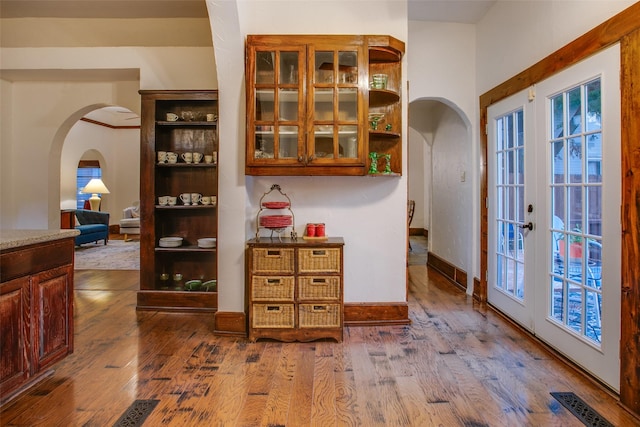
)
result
[(510, 204), (575, 184)]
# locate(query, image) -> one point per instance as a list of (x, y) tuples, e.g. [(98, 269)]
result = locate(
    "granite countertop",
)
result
[(10, 239)]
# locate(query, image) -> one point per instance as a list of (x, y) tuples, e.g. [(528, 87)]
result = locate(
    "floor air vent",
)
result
[(585, 413), (135, 415)]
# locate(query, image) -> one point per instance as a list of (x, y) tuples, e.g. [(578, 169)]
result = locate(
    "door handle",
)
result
[(529, 225)]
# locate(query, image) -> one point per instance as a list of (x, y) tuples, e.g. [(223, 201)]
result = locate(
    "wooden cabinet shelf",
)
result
[(186, 165), (189, 221), (188, 248), (384, 134), (381, 97), (385, 56), (183, 207), (179, 123)]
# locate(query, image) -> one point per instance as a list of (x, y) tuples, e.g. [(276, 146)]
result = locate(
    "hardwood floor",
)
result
[(457, 364)]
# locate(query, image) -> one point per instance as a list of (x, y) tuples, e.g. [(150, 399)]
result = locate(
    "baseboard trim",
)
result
[(455, 275), (376, 314), (230, 323), (419, 232)]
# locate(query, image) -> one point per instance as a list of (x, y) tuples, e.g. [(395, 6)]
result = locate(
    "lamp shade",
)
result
[(96, 186)]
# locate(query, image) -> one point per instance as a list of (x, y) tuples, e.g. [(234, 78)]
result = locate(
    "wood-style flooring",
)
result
[(457, 364)]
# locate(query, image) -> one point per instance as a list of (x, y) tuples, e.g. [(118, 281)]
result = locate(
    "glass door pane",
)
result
[(277, 113), (335, 107), (509, 157), (576, 158)]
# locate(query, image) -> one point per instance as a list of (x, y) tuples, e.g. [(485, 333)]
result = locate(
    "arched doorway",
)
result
[(440, 181)]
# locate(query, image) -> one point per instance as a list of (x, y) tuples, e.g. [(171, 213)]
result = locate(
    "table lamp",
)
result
[(95, 187)]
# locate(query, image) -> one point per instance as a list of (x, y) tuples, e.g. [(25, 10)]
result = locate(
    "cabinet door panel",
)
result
[(275, 107), (52, 316), (335, 106), (14, 330)]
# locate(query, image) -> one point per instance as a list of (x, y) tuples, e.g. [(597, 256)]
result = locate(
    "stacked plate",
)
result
[(170, 242), (276, 221), (207, 242), (275, 205)]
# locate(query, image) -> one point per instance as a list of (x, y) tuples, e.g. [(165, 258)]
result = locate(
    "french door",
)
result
[(512, 208), (554, 212)]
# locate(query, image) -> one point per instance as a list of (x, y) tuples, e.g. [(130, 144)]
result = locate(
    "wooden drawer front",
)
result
[(273, 260), (319, 288), (272, 288), (319, 260), (319, 315), (272, 316)]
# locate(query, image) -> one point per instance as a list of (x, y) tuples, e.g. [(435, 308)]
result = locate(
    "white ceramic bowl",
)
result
[(170, 242), (207, 242)]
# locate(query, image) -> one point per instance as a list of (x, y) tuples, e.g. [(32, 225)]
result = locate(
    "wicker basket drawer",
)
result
[(272, 288), (319, 260), (319, 315), (319, 288), (272, 316), (273, 260)]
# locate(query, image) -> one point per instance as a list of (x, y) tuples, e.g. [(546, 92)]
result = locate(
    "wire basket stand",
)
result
[(276, 224)]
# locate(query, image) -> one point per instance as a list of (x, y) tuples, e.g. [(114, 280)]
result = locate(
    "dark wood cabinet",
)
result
[(182, 124), (309, 102), (36, 311), (294, 289)]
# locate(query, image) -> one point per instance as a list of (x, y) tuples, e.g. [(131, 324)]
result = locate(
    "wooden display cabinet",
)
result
[(294, 289), (304, 105), (308, 103), (164, 271)]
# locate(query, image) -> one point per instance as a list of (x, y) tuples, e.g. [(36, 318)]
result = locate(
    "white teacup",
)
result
[(214, 200), (206, 200), (187, 157), (195, 198), (172, 157), (172, 200), (197, 157), (186, 198), (214, 156), (162, 157), (172, 117), (208, 158), (163, 200)]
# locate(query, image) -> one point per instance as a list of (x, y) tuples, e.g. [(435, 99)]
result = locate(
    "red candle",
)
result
[(320, 230)]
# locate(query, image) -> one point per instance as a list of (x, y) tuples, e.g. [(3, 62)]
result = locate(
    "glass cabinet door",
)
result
[(334, 107), (277, 110)]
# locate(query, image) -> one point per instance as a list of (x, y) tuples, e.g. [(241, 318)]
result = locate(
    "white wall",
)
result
[(451, 203), (39, 114), (370, 213), (514, 35), (419, 177)]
